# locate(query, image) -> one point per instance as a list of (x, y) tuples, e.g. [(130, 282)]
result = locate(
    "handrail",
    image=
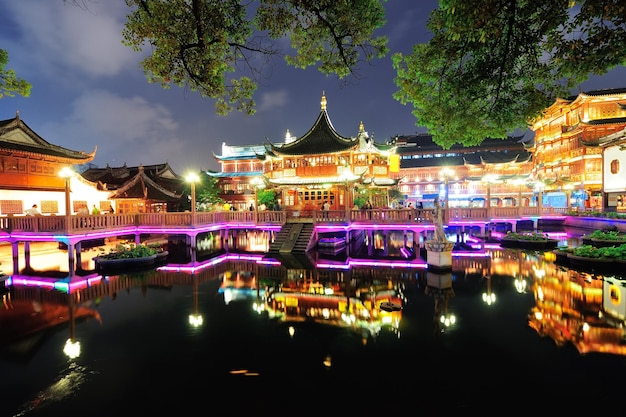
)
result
[(185, 220)]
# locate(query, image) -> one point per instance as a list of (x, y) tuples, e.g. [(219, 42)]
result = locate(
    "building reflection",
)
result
[(582, 308), (29, 314), (364, 295)]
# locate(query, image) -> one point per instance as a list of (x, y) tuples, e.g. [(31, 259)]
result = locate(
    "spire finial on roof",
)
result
[(323, 103), (361, 127), (17, 114)]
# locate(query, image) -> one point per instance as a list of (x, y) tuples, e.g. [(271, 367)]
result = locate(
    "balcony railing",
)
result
[(78, 224)]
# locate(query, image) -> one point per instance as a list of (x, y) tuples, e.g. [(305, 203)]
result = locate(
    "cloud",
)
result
[(273, 100), (127, 125), (60, 36)]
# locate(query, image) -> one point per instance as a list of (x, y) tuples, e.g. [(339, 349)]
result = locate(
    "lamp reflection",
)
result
[(439, 286), (195, 319), (72, 346), (489, 297)]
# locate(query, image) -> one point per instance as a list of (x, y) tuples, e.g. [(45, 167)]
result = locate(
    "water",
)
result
[(140, 354)]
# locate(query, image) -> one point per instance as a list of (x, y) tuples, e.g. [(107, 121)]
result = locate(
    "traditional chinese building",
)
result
[(320, 166), (568, 149), (141, 189), (497, 170), (29, 171)]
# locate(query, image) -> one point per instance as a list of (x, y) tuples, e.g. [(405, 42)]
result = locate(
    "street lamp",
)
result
[(257, 183), (67, 173), (446, 173), (347, 177), (192, 179), (489, 179)]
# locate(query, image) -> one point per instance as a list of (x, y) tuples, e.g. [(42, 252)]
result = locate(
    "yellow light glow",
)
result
[(72, 348)]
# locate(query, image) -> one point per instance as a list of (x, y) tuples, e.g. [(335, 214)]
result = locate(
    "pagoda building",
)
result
[(320, 166), (30, 168), (140, 189), (497, 170), (570, 138)]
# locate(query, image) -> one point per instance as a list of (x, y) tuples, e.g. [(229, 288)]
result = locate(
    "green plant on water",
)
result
[(538, 235), (122, 251), (607, 235), (607, 252)]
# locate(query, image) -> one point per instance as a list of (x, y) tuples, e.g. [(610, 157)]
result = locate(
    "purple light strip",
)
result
[(139, 230), (470, 254), (258, 258), (59, 284)]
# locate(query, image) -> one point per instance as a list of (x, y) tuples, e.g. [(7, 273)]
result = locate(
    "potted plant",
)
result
[(128, 256), (536, 240), (601, 238)]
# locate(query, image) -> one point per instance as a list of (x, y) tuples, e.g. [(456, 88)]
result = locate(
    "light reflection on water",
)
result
[(301, 331), (68, 384)]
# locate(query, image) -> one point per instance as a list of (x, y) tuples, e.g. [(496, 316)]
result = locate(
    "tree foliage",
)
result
[(492, 66), (220, 48), (10, 84), (208, 191)]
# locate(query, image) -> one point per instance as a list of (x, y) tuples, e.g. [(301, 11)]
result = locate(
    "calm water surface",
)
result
[(520, 331)]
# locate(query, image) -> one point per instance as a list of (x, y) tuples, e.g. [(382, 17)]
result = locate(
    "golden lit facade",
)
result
[(562, 161), (320, 166)]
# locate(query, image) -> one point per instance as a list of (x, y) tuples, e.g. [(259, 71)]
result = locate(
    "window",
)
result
[(78, 204), (11, 207), (49, 207)]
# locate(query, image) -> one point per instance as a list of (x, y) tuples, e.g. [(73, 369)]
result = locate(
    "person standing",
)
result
[(33, 211), (95, 210)]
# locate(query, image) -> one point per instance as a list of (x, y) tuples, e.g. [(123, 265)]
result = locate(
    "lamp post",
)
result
[(257, 183), (568, 194), (346, 177), (67, 173), (489, 179), (446, 173), (192, 179)]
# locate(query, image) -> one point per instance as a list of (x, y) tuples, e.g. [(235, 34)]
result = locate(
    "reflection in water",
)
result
[(67, 385), (330, 316), (439, 287), (581, 308)]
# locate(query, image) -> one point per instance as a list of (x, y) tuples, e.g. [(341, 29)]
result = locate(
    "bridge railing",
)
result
[(85, 223)]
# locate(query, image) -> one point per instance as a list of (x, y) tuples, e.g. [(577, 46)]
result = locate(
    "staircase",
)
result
[(304, 242), (293, 237)]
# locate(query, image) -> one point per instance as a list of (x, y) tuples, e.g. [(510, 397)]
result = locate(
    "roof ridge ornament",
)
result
[(323, 102)]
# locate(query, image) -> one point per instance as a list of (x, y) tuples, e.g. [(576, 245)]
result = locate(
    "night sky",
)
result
[(88, 90)]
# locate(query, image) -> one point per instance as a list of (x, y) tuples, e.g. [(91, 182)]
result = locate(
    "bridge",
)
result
[(73, 230), (79, 227)]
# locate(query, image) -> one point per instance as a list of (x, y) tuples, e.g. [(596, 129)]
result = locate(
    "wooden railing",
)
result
[(186, 220)]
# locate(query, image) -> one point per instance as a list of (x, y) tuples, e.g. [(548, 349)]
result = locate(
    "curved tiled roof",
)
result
[(490, 151), (321, 138), (141, 186), (15, 135)]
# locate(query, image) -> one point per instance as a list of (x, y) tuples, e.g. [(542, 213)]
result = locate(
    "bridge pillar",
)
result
[(15, 249), (71, 258), (79, 256), (27, 255)]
